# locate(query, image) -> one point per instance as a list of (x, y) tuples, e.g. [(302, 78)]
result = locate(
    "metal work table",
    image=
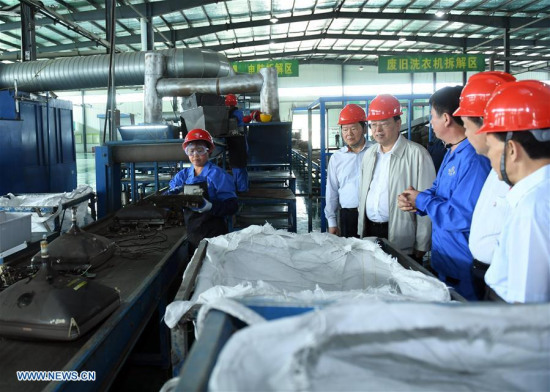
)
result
[(252, 206), (272, 179), (144, 283)]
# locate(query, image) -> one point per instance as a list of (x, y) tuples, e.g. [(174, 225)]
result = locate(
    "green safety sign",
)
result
[(431, 63), (285, 68)]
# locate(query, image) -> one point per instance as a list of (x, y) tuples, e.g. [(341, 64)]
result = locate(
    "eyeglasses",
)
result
[(380, 124), (196, 151)]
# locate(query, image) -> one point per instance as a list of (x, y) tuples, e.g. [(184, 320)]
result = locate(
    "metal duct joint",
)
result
[(83, 72), (269, 95), (152, 102)]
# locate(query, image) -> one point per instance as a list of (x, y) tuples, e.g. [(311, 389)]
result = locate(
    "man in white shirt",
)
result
[(491, 207), (343, 173), (517, 124), (393, 165)]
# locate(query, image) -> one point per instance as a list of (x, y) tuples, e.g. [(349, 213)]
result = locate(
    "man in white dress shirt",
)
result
[(517, 124), (393, 165), (343, 173), (491, 207)]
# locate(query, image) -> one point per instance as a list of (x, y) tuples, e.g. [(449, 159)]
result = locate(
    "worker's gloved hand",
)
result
[(206, 206), (174, 191)]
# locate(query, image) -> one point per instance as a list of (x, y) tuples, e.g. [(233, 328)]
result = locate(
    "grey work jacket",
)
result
[(410, 165)]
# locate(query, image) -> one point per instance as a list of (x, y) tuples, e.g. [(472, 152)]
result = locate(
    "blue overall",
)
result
[(221, 193), (450, 205)]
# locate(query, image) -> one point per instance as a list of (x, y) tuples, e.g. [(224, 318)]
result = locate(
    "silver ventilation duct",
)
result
[(92, 71), (234, 84), (269, 95), (265, 83)]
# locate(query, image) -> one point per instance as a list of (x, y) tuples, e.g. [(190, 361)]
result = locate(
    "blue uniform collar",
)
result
[(461, 146), (205, 170)]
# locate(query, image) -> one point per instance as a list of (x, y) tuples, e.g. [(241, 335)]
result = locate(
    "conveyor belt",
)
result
[(143, 281)]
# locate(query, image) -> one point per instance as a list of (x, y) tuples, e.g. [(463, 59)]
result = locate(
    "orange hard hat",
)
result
[(230, 100), (384, 106), (198, 135), (351, 114), (478, 90), (518, 106)]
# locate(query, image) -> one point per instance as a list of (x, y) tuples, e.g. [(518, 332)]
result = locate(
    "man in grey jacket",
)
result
[(394, 164)]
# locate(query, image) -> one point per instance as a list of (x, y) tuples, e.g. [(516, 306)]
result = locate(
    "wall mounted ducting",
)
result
[(83, 72)]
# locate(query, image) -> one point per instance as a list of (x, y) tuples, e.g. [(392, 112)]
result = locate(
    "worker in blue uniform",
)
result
[(491, 208), (451, 200), (237, 146), (209, 219)]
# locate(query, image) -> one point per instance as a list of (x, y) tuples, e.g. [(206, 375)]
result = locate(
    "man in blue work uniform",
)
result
[(451, 200), (237, 146), (208, 220), (491, 207)]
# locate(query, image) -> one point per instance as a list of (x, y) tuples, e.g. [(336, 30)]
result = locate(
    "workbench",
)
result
[(272, 179), (145, 283), (260, 205)]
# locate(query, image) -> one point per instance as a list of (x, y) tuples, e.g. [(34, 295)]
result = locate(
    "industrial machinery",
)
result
[(37, 153)]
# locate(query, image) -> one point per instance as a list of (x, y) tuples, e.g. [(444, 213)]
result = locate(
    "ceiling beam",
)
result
[(458, 43), (448, 41), (158, 8), (161, 8)]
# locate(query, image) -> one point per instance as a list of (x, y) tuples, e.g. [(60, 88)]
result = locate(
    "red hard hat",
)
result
[(247, 118), (351, 114), (384, 106), (230, 100), (478, 90), (255, 115), (198, 135), (518, 106)]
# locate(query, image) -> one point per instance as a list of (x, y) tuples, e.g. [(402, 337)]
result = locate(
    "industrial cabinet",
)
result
[(37, 151)]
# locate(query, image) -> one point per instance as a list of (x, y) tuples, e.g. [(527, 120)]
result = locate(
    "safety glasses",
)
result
[(200, 150)]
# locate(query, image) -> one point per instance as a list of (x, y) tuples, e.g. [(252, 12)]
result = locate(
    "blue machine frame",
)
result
[(109, 159), (321, 105)]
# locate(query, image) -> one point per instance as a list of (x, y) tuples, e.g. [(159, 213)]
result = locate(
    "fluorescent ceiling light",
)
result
[(273, 20), (439, 13)]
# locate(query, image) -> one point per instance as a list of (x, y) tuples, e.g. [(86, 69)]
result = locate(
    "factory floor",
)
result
[(147, 378), (85, 169)]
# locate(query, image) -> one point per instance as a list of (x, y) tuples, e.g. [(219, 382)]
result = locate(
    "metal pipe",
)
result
[(269, 97), (265, 82), (92, 71), (231, 84), (152, 102)]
